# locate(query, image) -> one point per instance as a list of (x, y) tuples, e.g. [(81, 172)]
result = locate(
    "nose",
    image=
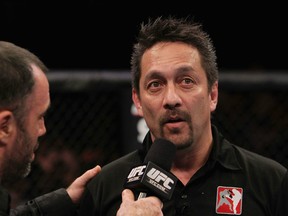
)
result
[(172, 98)]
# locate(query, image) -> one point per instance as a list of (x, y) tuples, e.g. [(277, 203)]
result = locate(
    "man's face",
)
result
[(174, 98), (20, 151), (17, 164)]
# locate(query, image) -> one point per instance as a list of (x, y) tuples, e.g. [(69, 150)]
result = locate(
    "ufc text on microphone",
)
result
[(153, 178)]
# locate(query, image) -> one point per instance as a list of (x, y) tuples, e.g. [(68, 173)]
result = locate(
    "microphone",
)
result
[(154, 177)]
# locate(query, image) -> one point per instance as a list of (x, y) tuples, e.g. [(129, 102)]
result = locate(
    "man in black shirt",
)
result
[(175, 89)]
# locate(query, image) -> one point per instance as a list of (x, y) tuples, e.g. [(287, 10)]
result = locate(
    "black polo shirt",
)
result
[(234, 181)]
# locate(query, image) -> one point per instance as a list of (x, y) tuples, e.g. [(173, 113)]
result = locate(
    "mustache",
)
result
[(175, 115)]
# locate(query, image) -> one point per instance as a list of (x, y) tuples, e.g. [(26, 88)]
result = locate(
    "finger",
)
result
[(127, 195), (76, 189), (89, 174), (157, 201), (92, 172)]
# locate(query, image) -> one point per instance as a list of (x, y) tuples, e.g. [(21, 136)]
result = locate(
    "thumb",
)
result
[(76, 189), (89, 174), (127, 195)]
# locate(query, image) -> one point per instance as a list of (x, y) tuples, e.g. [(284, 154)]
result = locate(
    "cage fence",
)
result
[(90, 122)]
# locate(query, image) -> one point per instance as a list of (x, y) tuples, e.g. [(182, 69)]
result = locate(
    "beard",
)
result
[(181, 141), (17, 164)]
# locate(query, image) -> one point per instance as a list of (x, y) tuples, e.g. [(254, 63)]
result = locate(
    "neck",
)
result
[(188, 162)]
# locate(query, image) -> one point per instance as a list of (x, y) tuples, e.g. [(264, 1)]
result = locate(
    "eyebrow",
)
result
[(153, 75), (157, 74), (185, 69)]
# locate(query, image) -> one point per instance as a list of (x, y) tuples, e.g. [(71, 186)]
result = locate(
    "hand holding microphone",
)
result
[(150, 206)]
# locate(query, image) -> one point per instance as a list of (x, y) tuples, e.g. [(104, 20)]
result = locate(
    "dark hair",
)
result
[(173, 29), (16, 78)]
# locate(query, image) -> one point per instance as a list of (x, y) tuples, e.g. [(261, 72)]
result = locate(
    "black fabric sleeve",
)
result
[(4, 202), (282, 207), (51, 204)]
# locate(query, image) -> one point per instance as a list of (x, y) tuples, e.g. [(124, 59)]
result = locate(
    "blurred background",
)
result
[(87, 45)]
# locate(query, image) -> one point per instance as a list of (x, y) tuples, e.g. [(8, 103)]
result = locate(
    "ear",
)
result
[(137, 103), (214, 97), (7, 125)]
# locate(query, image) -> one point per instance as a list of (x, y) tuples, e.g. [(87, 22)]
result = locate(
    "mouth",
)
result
[(34, 151), (36, 146), (174, 122), (173, 119)]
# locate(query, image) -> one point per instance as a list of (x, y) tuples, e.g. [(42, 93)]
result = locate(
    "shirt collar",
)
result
[(223, 152)]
